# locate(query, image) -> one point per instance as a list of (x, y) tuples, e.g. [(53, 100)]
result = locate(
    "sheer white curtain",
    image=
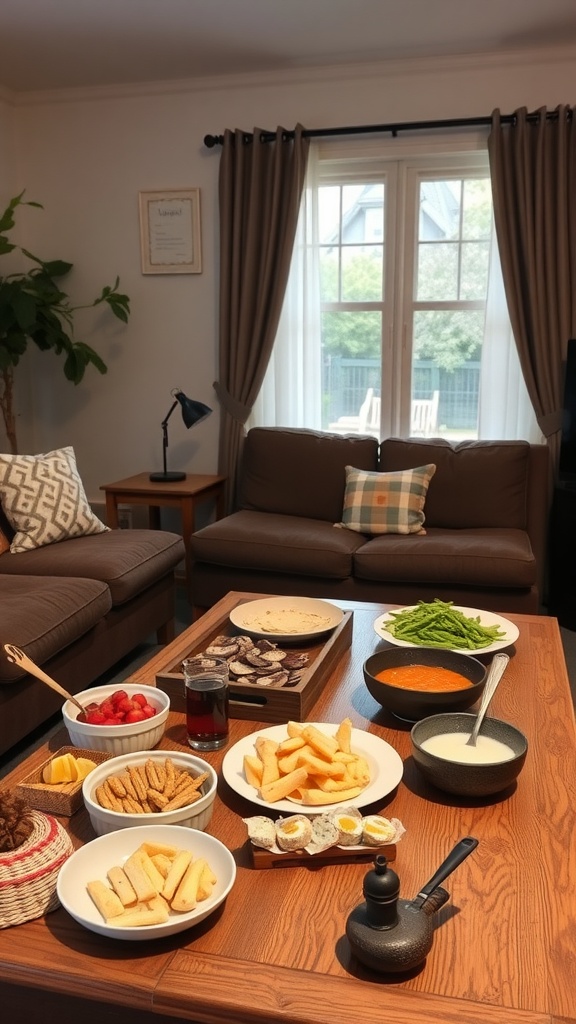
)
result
[(505, 410), (291, 394)]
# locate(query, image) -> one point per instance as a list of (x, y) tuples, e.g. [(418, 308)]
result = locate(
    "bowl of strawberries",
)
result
[(117, 720)]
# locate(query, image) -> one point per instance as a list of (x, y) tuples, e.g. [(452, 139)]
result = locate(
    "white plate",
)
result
[(92, 861), (306, 618), (385, 764), (486, 619)]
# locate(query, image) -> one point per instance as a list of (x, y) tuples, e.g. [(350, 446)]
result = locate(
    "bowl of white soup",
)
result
[(440, 751)]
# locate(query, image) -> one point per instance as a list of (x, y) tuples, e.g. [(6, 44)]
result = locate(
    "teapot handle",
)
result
[(454, 858)]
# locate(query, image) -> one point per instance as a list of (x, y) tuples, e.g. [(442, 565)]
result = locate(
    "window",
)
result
[(389, 322)]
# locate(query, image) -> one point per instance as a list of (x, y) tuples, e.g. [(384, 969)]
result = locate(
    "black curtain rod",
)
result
[(373, 129)]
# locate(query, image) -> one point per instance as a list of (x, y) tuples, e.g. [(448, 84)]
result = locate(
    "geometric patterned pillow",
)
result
[(377, 503), (44, 500)]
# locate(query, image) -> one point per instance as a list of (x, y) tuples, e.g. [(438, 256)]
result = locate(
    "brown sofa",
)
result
[(76, 608), (486, 522)]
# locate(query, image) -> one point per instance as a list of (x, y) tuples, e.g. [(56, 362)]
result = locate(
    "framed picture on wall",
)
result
[(170, 240)]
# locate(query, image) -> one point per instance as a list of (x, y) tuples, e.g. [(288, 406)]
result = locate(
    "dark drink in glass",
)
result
[(206, 685)]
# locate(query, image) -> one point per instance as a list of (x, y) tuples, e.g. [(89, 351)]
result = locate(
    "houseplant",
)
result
[(33, 307)]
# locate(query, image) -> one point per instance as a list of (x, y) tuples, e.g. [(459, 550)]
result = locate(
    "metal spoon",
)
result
[(18, 657), (495, 673)]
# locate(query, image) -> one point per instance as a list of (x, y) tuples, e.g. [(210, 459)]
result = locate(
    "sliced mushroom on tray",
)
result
[(259, 662)]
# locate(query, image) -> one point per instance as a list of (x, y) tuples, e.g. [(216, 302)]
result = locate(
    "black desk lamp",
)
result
[(192, 413)]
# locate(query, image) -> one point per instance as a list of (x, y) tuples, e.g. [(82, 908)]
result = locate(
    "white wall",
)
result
[(86, 155)]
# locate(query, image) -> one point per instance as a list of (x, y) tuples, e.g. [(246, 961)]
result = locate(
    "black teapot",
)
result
[(390, 934)]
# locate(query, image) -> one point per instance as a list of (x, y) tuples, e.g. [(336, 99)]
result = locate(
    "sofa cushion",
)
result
[(44, 614), (275, 543), (481, 557), (300, 472), (376, 503), (44, 500), (128, 561), (467, 477)]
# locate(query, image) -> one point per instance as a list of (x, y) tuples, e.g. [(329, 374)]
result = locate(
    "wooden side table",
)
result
[(183, 494)]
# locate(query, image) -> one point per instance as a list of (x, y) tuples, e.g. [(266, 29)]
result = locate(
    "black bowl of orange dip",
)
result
[(415, 682)]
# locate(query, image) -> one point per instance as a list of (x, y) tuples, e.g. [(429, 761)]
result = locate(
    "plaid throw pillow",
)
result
[(43, 499), (376, 503)]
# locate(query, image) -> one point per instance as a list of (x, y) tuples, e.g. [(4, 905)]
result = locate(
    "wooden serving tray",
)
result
[(334, 855), (266, 704)]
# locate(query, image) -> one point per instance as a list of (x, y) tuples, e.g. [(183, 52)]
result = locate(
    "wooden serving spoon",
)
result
[(18, 657)]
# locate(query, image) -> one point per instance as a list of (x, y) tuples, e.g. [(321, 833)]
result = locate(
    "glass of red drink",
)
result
[(206, 687)]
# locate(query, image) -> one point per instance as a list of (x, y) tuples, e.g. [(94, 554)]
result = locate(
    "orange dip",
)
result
[(423, 677)]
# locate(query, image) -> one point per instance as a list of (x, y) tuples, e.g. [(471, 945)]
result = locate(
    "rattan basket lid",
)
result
[(28, 874)]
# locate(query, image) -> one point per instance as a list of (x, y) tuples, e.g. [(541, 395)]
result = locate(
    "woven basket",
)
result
[(28, 875), (64, 799)]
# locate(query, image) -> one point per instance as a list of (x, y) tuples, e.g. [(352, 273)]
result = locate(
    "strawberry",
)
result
[(125, 705), (117, 696), (148, 710), (95, 718), (137, 715), (140, 699)]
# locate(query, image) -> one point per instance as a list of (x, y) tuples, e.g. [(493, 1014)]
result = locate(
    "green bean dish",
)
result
[(439, 624)]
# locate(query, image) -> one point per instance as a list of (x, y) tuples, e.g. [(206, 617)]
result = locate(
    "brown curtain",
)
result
[(260, 188), (533, 172)]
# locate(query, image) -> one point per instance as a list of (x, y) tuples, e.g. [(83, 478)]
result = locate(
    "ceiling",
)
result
[(61, 44)]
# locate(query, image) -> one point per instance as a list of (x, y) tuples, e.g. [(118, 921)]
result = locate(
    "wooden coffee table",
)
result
[(276, 951)]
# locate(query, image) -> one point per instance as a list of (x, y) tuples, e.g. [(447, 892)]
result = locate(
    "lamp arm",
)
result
[(165, 435)]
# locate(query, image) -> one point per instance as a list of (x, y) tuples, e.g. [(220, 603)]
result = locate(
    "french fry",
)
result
[(282, 787), (290, 745), (324, 745), (288, 762), (253, 769), (344, 735), (266, 750), (294, 729), (334, 772), (316, 766), (317, 797)]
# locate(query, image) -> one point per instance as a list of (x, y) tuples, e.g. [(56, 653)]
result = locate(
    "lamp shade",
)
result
[(192, 413)]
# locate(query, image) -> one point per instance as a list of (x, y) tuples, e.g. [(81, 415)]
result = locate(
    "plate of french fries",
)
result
[(310, 767), (146, 882)]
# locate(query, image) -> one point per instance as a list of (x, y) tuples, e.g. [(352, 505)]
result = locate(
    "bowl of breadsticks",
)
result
[(146, 883), (165, 787)]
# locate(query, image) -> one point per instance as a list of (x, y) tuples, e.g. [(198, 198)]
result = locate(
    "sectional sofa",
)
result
[(485, 521), (76, 608)]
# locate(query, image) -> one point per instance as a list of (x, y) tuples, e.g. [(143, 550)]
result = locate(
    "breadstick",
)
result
[(186, 895), (108, 902), (316, 797), (143, 887), (122, 886), (181, 799), (176, 873)]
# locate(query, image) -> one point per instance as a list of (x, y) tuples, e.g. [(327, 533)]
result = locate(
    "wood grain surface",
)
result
[(504, 947)]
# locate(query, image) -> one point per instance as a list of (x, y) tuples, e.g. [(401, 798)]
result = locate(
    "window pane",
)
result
[(329, 274), (439, 210), (362, 273), (446, 358), (477, 209), (437, 272), (351, 344), (329, 213), (474, 272)]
